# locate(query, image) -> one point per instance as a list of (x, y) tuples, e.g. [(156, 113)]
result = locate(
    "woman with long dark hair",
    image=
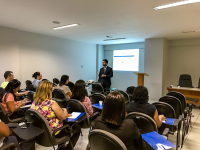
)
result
[(113, 120), (62, 85), (8, 99), (80, 93)]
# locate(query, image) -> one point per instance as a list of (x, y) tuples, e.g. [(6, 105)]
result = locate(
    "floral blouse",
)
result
[(45, 108)]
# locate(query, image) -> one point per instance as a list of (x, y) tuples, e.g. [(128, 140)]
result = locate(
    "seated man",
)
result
[(38, 79), (8, 75)]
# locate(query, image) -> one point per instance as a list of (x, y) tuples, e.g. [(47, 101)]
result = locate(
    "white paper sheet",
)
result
[(74, 115), (26, 106)]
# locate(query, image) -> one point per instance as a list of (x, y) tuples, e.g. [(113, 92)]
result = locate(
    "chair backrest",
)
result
[(165, 109), (30, 96), (96, 97), (1, 89), (144, 122), (103, 140), (70, 85), (38, 120), (97, 88), (174, 102), (45, 80), (3, 115), (126, 96), (55, 80), (31, 88), (77, 106), (199, 84), (130, 90), (28, 82), (185, 80), (181, 97), (58, 93)]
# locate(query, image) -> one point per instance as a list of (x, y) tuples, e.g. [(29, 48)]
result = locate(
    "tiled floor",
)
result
[(192, 141)]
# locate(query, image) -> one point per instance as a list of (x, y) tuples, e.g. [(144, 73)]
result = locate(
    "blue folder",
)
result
[(156, 141), (169, 121), (73, 120), (98, 106)]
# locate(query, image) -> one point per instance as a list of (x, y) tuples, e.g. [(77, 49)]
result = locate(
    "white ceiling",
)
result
[(135, 20)]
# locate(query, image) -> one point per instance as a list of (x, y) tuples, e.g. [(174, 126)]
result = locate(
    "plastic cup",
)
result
[(100, 103)]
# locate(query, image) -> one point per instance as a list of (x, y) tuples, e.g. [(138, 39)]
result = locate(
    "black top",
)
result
[(109, 73), (146, 108), (127, 132)]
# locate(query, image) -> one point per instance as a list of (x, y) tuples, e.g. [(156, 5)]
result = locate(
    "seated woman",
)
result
[(38, 79), (140, 104), (8, 99), (52, 112), (113, 120), (6, 138), (62, 85), (80, 93)]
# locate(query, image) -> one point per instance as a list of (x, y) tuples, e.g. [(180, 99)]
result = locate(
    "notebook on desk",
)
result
[(156, 141), (75, 116)]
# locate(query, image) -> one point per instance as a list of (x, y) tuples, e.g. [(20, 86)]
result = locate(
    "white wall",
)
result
[(51, 56), (100, 57), (184, 58), (123, 79), (153, 66)]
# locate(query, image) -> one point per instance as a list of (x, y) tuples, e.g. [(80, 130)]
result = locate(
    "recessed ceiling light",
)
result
[(114, 39), (67, 26), (56, 22), (177, 4)]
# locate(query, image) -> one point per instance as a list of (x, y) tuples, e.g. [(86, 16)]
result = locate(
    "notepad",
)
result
[(156, 141), (98, 106), (74, 115)]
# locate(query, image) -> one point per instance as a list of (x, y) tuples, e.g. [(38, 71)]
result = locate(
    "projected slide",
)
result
[(126, 60)]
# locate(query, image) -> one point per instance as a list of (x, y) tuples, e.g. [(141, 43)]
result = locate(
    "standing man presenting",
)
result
[(105, 74)]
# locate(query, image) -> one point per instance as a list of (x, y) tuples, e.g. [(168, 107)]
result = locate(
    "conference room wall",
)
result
[(9, 53), (123, 79), (184, 59), (100, 57), (51, 56)]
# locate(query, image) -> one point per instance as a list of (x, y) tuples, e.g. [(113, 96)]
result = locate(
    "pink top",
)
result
[(88, 106), (9, 98)]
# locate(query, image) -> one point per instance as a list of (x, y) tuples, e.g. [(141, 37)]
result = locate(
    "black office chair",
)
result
[(103, 140), (97, 88), (28, 82), (199, 84), (70, 85), (30, 96), (126, 96), (59, 97), (95, 98), (47, 138), (31, 88), (129, 91), (1, 89), (45, 80), (185, 107), (169, 112), (176, 104), (55, 80), (185, 80), (77, 106), (5, 118), (145, 123)]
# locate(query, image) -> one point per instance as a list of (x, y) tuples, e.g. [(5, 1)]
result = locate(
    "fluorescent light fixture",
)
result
[(67, 26), (177, 4)]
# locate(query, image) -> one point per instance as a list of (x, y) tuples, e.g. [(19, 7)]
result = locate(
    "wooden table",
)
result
[(188, 93)]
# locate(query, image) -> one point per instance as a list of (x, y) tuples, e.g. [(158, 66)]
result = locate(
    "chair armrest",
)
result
[(180, 117), (176, 122), (88, 147), (62, 128), (165, 132), (12, 125), (94, 116), (5, 147)]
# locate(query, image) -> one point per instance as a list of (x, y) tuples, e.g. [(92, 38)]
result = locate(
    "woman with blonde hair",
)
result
[(52, 112)]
